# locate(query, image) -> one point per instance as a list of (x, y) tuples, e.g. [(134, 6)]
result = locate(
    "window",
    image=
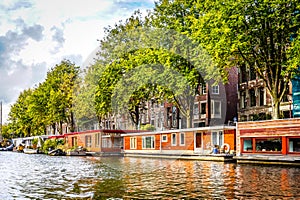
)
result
[(182, 139), (215, 89), (243, 74), (174, 116), (132, 142), (196, 110), (243, 99), (252, 97), (106, 143), (203, 86), (217, 138), (164, 138), (248, 145), (88, 141), (261, 96), (74, 141), (215, 109), (148, 142), (252, 73), (203, 108), (173, 139), (268, 144), (97, 141), (294, 144)]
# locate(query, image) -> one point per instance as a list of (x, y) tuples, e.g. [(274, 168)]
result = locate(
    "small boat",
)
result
[(30, 151), (57, 152), (8, 148), (76, 152)]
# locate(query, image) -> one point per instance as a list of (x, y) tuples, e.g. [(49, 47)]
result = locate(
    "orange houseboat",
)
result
[(194, 141), (112, 141), (271, 137)]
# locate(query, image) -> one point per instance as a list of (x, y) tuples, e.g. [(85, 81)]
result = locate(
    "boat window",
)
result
[(164, 138), (268, 144), (294, 144), (133, 143), (148, 142), (174, 142), (182, 139), (248, 145)]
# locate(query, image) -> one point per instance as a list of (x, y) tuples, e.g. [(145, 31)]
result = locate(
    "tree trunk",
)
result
[(53, 128), (189, 118), (276, 109), (72, 123)]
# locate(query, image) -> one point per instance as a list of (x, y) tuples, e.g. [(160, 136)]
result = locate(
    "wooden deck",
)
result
[(210, 157), (268, 159)]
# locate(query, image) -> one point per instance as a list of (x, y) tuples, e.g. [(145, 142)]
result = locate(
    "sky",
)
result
[(35, 35)]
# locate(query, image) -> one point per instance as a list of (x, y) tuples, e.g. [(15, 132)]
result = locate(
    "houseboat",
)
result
[(215, 143), (269, 141), (104, 141)]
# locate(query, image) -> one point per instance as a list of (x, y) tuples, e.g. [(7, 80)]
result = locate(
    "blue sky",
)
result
[(37, 34)]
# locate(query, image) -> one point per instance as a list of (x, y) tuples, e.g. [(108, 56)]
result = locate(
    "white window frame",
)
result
[(97, 140), (88, 141), (202, 115), (213, 110), (164, 138), (174, 139), (133, 142), (182, 140), (218, 139), (196, 110), (203, 88), (215, 89), (152, 142)]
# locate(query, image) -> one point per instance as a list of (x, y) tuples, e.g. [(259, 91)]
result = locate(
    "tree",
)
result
[(84, 101), (135, 44), (255, 33), (19, 117), (61, 82)]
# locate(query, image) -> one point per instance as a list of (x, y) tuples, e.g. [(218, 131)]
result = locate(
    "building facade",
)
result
[(255, 103)]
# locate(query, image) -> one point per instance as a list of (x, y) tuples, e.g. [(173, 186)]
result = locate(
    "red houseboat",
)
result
[(183, 142)]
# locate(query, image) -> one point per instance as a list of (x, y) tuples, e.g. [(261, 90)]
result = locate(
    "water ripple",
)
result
[(45, 177)]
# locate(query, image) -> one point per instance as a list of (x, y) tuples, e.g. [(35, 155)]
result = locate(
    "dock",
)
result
[(268, 159)]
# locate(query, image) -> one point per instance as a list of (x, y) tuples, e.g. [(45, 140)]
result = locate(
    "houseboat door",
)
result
[(198, 142)]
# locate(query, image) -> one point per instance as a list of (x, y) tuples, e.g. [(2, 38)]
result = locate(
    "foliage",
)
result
[(50, 103), (262, 35), (148, 127), (51, 144), (132, 46), (35, 141), (84, 101)]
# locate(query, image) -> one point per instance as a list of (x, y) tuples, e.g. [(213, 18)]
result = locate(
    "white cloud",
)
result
[(37, 34)]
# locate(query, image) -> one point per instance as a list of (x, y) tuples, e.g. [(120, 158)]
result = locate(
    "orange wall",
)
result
[(207, 140), (229, 138), (189, 142)]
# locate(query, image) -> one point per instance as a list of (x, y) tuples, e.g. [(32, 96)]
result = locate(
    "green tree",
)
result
[(84, 101), (243, 32), (19, 117), (61, 81), (135, 44)]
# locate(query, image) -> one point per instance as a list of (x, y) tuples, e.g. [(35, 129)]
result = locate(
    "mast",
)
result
[(1, 121)]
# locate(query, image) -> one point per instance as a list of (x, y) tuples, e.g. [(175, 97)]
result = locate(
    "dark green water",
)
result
[(44, 177)]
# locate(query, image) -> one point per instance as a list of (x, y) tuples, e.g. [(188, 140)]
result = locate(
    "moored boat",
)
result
[(8, 148), (30, 151), (57, 152)]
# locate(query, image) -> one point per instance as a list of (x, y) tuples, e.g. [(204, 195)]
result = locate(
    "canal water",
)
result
[(38, 176)]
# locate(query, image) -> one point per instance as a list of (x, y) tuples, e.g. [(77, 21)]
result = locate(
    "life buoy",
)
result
[(227, 150)]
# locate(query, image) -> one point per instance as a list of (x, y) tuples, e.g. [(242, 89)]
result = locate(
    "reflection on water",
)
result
[(44, 177)]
